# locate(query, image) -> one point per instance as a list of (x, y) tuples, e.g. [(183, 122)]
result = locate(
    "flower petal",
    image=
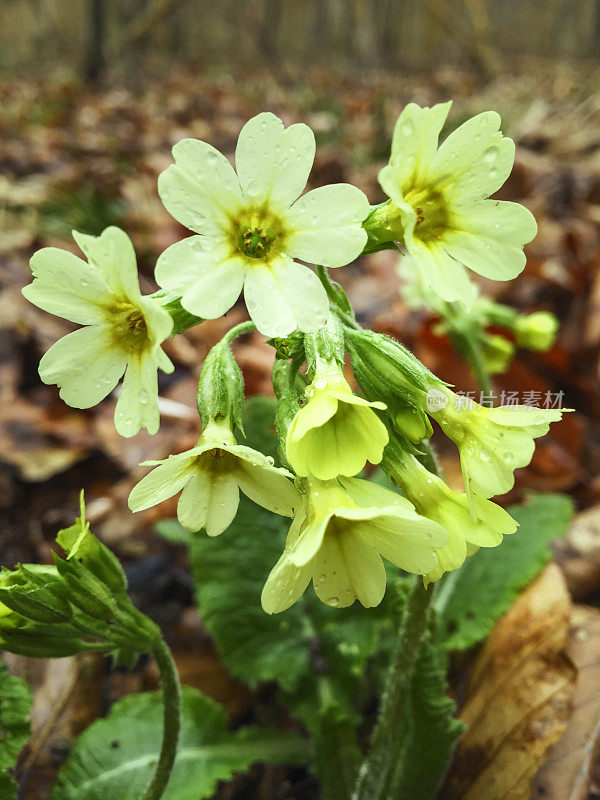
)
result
[(113, 254), (489, 238), (365, 569), (368, 493), (283, 296), (414, 144), (475, 160), (216, 290), (409, 545), (268, 487), (285, 585), (85, 365), (345, 568), (273, 163), (310, 538), (137, 406), (161, 483), (210, 500), (201, 189), (326, 225), (68, 287), (441, 273)]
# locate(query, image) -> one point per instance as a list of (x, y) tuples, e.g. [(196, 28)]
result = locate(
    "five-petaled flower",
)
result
[(336, 432), (252, 226), (338, 538), (211, 475), (123, 331), (439, 209)]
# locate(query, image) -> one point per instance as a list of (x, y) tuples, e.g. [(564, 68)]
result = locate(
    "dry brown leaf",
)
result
[(519, 697), (566, 775), (578, 554)]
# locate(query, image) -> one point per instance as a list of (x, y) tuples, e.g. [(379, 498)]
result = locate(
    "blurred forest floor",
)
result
[(75, 158)]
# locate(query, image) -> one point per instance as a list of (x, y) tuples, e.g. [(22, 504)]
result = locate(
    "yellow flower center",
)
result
[(257, 233), (433, 219), (129, 327), (254, 242)]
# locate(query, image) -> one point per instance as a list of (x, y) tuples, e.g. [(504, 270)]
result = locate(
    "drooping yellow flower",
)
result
[(337, 540), (123, 331), (439, 209), (336, 432), (211, 476), (469, 526), (492, 442)]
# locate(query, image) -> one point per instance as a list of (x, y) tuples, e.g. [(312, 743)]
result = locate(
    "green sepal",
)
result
[(80, 544), (384, 229), (391, 362), (221, 387), (291, 346), (86, 591), (38, 604), (182, 319), (38, 641), (327, 344)]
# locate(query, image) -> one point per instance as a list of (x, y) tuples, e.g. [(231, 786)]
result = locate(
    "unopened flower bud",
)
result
[(221, 387), (497, 353), (536, 331)]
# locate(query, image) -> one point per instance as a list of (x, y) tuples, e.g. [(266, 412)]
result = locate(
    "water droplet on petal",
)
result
[(333, 601), (485, 455)]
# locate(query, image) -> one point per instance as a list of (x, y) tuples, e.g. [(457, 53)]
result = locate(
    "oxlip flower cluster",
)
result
[(252, 227)]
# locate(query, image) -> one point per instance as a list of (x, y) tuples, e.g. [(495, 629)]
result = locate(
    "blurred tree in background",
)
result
[(132, 39)]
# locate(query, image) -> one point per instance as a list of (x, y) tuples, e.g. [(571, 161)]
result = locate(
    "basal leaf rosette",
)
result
[(469, 526), (338, 538), (440, 210), (123, 330), (492, 442), (211, 476), (336, 432), (251, 227)]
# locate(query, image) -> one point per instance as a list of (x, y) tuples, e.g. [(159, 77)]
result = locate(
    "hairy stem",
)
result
[(238, 330), (376, 775), (171, 689)]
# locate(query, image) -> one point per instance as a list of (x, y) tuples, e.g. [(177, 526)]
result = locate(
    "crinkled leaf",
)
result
[(15, 727), (230, 571), (115, 757), (472, 599)]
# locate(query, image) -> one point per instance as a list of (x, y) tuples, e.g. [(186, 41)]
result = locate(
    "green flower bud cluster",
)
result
[(79, 603)]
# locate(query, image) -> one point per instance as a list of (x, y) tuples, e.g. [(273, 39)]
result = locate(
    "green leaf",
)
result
[(259, 426), (230, 571), (471, 599), (15, 726), (115, 757), (173, 531), (432, 731)]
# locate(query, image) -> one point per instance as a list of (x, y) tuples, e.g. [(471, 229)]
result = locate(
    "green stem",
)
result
[(238, 330), (171, 689), (376, 775), (472, 350)]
